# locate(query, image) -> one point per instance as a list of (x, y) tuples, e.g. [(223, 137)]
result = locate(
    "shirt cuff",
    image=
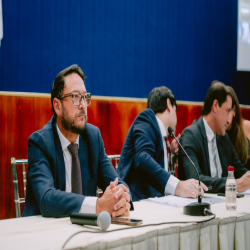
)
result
[(171, 185), (89, 205)]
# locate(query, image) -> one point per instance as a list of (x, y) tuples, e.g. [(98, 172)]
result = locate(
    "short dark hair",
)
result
[(58, 84), (157, 99), (217, 91)]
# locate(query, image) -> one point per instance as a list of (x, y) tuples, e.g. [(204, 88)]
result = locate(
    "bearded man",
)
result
[(67, 160)]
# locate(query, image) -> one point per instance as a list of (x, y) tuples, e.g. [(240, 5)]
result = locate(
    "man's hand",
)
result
[(115, 200), (243, 183), (175, 146), (189, 188), (120, 206)]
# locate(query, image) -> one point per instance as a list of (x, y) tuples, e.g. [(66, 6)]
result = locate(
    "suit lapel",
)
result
[(84, 169), (59, 164), (159, 135), (205, 143), (93, 149), (223, 159)]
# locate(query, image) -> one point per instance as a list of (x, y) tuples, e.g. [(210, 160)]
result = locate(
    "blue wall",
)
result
[(125, 47)]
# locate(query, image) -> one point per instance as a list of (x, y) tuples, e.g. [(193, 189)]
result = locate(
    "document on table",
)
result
[(175, 201), (247, 192)]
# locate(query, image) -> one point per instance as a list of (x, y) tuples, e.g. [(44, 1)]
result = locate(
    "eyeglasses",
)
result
[(77, 98)]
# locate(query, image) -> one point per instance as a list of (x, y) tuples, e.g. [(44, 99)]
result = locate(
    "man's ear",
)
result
[(215, 106), (57, 106), (169, 105), (234, 110)]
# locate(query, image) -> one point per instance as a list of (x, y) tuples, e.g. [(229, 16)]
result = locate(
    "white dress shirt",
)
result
[(213, 153), (172, 181), (89, 203)]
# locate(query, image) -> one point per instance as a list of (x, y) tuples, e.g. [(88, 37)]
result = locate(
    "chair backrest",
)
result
[(114, 159), (17, 198)]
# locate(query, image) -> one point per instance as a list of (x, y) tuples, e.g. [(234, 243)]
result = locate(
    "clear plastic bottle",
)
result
[(231, 190)]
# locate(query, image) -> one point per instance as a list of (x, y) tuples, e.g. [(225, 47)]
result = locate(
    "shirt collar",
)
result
[(209, 132), (64, 141), (162, 128)]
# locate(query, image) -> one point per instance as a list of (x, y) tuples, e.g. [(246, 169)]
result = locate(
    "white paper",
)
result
[(175, 201)]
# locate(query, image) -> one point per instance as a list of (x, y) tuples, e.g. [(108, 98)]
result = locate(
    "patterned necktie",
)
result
[(168, 154), (76, 180), (215, 156)]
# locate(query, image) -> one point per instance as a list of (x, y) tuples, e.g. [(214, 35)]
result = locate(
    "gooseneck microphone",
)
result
[(198, 208), (101, 220), (171, 132)]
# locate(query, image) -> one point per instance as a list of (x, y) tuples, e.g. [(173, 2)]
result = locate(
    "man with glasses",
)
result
[(67, 160)]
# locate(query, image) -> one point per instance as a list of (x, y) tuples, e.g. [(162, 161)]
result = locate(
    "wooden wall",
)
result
[(23, 113)]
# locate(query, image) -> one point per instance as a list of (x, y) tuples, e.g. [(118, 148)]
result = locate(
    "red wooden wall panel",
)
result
[(186, 114), (22, 114), (122, 115)]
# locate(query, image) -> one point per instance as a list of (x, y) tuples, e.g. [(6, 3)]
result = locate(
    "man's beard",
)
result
[(69, 124)]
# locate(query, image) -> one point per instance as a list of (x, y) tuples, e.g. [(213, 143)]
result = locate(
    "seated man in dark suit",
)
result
[(67, 160), (209, 146), (145, 161)]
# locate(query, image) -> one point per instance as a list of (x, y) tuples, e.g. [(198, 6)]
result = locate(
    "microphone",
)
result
[(198, 208), (101, 220)]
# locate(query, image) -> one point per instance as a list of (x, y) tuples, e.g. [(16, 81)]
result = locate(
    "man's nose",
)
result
[(83, 103)]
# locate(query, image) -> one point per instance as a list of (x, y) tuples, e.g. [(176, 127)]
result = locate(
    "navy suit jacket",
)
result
[(141, 164), (194, 141), (45, 190)]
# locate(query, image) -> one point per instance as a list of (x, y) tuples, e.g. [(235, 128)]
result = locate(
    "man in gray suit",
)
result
[(209, 146)]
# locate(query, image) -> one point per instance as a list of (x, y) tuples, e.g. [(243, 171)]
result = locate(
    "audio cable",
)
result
[(206, 212)]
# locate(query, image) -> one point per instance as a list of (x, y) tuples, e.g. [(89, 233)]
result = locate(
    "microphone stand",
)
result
[(197, 208)]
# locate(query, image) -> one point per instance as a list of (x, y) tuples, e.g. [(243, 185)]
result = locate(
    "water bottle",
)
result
[(231, 190)]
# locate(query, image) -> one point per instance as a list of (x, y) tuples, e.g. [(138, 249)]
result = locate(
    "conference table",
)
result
[(164, 227)]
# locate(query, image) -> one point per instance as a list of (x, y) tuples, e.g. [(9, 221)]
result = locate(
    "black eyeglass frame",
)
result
[(84, 97)]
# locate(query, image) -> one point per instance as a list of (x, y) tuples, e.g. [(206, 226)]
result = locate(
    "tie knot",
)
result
[(73, 148), (167, 144), (166, 139)]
